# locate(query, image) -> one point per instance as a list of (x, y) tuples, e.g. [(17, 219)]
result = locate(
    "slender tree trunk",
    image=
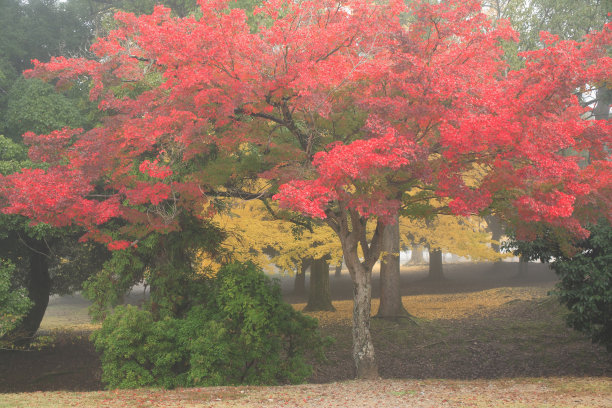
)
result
[(39, 289), (390, 285), (363, 348), (319, 294), (299, 285), (436, 271)]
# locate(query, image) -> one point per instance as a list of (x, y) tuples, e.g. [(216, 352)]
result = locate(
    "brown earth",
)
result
[(482, 322)]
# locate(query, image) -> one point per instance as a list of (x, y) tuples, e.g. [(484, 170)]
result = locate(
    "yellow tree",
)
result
[(257, 231), (466, 237)]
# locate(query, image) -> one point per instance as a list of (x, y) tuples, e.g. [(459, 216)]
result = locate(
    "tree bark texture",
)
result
[(436, 271), (363, 348), (319, 294), (390, 285)]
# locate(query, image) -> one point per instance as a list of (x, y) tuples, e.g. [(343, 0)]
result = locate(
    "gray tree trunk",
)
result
[(299, 285), (338, 270), (390, 285), (604, 99), (495, 226), (436, 271), (363, 348), (319, 294), (350, 227)]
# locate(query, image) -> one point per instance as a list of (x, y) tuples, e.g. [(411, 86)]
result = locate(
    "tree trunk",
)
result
[(390, 294), (416, 256), (338, 270), (319, 294), (496, 229), (350, 227), (363, 348), (522, 267), (39, 289), (604, 99), (436, 271), (299, 285)]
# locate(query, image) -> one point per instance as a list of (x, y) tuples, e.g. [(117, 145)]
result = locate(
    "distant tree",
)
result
[(391, 305), (460, 236), (34, 105), (267, 236)]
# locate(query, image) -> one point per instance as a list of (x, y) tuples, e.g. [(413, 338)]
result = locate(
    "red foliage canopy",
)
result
[(411, 96)]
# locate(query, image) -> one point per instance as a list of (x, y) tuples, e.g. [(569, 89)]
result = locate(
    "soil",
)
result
[(494, 345)]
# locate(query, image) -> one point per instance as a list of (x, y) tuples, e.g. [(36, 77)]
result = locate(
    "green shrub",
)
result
[(585, 285), (585, 276), (14, 304), (137, 351), (242, 333)]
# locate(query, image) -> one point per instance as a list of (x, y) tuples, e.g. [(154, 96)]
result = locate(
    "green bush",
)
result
[(585, 276), (137, 351), (585, 285), (14, 304), (242, 333)]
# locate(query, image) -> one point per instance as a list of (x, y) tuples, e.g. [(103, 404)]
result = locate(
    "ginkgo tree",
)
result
[(272, 242), (347, 105), (258, 232)]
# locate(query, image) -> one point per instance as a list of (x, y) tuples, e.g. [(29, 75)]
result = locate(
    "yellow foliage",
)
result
[(253, 234), (458, 235)]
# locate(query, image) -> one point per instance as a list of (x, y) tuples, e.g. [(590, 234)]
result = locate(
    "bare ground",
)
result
[(512, 393)]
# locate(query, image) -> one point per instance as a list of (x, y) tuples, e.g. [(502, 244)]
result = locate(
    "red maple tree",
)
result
[(353, 105)]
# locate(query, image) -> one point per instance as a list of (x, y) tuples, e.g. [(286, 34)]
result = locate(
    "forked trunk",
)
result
[(351, 229), (523, 266), (495, 226)]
